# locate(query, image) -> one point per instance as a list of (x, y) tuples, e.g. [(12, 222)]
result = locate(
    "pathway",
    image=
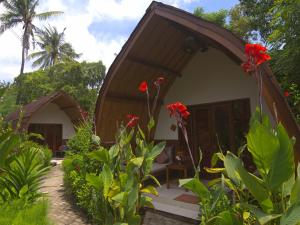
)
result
[(63, 212)]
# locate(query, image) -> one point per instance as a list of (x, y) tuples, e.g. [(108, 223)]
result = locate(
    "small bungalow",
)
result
[(53, 116), (201, 63)]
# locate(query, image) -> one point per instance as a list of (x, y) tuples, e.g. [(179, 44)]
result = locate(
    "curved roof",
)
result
[(157, 45), (62, 99)]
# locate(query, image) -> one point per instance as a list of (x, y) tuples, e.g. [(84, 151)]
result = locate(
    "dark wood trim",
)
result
[(163, 69)]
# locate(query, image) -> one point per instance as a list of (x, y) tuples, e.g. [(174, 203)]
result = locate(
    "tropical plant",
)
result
[(54, 49), (23, 12), (23, 176)]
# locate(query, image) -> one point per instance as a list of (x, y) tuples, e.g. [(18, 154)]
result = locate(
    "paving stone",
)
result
[(62, 211)]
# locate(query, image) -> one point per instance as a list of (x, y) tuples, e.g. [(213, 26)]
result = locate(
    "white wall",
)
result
[(209, 77), (52, 114)]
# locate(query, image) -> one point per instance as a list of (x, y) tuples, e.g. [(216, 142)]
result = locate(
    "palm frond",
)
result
[(47, 15)]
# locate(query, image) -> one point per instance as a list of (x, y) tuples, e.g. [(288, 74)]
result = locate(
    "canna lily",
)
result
[(179, 108), (143, 87), (133, 119)]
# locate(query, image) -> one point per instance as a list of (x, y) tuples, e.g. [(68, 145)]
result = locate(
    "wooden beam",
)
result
[(122, 97), (154, 65)]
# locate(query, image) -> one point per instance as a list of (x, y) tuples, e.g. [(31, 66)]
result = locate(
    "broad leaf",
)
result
[(150, 190), (295, 193), (251, 182), (263, 145), (292, 216), (227, 218), (101, 155), (282, 166), (146, 201), (262, 217), (107, 178), (156, 150), (95, 181), (137, 161), (195, 186)]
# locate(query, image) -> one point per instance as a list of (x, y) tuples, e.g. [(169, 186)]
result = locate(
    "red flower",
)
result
[(179, 108), (132, 120), (256, 53), (143, 86), (286, 94), (246, 67), (159, 81)]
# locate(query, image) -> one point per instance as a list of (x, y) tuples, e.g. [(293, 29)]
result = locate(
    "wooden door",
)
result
[(216, 126), (52, 134)]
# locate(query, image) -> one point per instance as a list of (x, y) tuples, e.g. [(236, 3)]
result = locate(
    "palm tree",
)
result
[(23, 12), (54, 49)]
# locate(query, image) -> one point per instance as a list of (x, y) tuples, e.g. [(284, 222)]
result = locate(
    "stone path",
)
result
[(63, 212)]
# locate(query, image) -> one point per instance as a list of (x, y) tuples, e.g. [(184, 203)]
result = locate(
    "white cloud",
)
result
[(78, 16)]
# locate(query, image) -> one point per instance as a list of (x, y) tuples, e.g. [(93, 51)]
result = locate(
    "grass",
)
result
[(16, 213)]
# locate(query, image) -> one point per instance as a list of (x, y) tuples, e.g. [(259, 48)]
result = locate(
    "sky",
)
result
[(96, 28)]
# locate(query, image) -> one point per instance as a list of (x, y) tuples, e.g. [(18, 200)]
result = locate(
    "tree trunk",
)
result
[(23, 59)]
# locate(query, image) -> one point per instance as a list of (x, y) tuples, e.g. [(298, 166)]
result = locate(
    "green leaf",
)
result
[(216, 157), (150, 190), (146, 201), (227, 218), (282, 166), (134, 220), (107, 178), (153, 178), (133, 195), (292, 216), (137, 161), (101, 155), (120, 198), (156, 150), (113, 151), (287, 186), (262, 217), (23, 191), (6, 146), (295, 193), (263, 154), (194, 185), (151, 124), (252, 182), (141, 133), (94, 180)]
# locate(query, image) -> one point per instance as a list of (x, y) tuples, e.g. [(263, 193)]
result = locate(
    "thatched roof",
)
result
[(62, 99), (157, 45)]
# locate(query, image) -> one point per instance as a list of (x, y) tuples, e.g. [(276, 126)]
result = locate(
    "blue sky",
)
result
[(95, 28)]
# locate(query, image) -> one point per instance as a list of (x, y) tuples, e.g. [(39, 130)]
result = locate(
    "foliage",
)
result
[(218, 17), (23, 12), (54, 49), (8, 100), (81, 142), (274, 186), (19, 212), (80, 80), (23, 177)]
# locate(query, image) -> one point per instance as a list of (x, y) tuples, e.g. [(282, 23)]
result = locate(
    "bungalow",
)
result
[(53, 116), (201, 64)]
